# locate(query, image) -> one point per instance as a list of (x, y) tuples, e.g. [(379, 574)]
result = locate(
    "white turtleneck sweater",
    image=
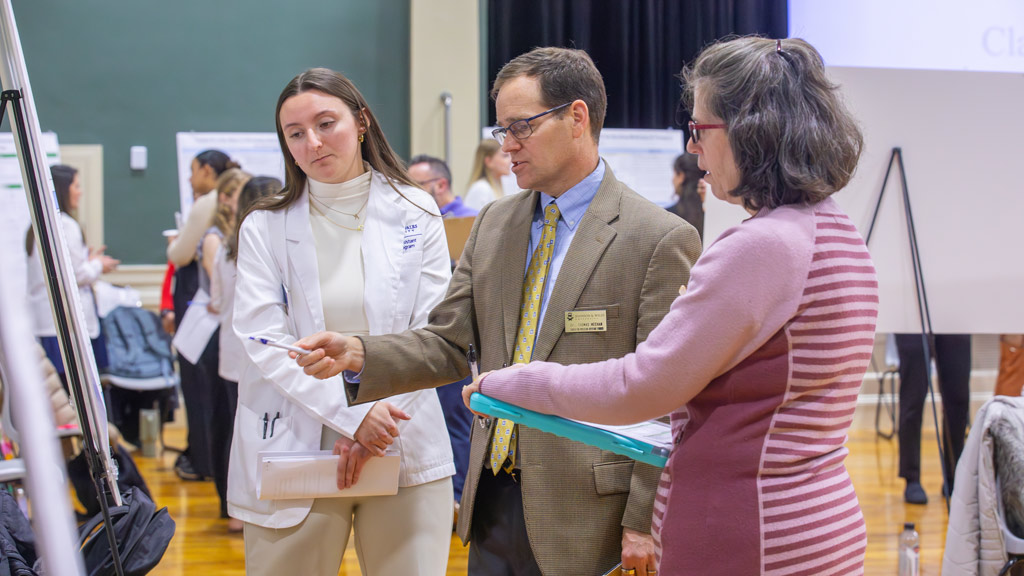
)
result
[(338, 251)]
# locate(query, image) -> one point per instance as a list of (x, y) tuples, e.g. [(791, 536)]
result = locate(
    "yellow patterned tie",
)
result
[(503, 445)]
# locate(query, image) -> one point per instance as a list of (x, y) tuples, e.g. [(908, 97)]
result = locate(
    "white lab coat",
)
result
[(277, 296), (86, 271)]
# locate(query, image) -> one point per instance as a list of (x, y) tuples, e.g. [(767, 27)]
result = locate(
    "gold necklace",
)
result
[(328, 218), (333, 209)]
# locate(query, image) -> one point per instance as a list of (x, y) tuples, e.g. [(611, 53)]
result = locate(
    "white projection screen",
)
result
[(944, 81)]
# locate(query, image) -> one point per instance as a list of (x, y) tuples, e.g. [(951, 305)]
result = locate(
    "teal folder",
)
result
[(635, 448)]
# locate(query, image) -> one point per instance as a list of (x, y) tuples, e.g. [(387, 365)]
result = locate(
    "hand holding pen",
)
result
[(329, 354)]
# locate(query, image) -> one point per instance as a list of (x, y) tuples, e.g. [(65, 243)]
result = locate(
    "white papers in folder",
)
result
[(653, 432), (196, 328), (290, 475)]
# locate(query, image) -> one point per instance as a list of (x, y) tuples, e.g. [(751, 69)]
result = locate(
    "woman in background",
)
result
[(86, 263), (223, 394), (761, 357), (351, 245), (489, 165), (688, 182), (195, 462)]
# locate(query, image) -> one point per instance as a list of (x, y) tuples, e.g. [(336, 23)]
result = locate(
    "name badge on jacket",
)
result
[(586, 321)]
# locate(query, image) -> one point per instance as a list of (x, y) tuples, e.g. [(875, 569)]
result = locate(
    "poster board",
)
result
[(641, 159), (14, 218), (259, 153), (961, 137)]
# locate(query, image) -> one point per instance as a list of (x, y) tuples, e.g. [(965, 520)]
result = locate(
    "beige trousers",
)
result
[(408, 534)]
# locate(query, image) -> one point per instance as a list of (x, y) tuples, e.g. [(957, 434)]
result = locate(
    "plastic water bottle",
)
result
[(910, 552), (22, 500), (149, 431)]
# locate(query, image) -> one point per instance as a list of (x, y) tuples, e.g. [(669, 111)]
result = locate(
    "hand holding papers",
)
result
[(379, 427)]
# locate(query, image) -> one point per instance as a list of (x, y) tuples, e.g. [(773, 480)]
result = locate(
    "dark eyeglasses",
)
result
[(696, 128), (521, 129)]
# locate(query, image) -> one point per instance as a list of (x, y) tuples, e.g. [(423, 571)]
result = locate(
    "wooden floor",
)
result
[(202, 544)]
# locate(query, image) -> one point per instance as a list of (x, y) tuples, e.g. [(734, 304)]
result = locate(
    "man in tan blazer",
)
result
[(562, 507)]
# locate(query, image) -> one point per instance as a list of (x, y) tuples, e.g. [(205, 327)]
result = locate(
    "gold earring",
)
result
[(361, 138)]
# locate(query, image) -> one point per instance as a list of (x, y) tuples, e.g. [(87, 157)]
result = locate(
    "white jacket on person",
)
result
[(86, 271), (975, 543), (277, 296)]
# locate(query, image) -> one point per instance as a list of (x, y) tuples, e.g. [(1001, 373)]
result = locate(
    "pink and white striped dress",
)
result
[(760, 363)]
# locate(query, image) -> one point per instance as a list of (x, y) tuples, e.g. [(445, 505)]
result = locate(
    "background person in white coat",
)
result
[(232, 358), (86, 263), (350, 245), (223, 354), (489, 165)]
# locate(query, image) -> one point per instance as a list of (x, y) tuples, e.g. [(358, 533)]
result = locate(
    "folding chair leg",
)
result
[(1013, 561)]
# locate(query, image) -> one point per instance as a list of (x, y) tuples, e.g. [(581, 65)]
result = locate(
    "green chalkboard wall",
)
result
[(134, 72)]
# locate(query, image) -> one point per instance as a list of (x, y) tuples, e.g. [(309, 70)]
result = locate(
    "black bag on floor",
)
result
[(142, 533), (128, 476), (17, 542)]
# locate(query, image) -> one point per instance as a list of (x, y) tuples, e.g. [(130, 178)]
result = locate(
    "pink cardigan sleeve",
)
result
[(744, 288)]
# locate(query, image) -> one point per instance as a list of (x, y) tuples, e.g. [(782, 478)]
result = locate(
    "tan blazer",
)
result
[(628, 257)]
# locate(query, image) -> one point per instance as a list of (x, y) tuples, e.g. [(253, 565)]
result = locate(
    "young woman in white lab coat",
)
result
[(86, 263), (350, 245)]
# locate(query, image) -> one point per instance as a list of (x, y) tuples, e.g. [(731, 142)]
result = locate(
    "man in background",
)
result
[(433, 175)]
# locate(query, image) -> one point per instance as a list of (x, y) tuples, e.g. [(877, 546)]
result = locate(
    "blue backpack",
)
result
[(137, 346)]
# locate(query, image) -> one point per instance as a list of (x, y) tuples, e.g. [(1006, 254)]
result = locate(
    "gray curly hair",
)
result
[(793, 138)]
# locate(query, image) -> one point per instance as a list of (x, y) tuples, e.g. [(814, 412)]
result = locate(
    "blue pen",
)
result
[(266, 342), (199, 302)]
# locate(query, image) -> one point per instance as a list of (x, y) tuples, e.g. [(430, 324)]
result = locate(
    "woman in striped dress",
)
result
[(760, 359)]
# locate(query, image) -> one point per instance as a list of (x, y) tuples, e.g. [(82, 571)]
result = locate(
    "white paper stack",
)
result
[(196, 328), (289, 475)]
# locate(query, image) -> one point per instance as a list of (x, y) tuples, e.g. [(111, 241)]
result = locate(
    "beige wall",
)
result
[(445, 57), (88, 159)]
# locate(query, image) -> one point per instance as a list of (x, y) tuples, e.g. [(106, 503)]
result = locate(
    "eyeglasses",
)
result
[(696, 128), (521, 129), (423, 183)]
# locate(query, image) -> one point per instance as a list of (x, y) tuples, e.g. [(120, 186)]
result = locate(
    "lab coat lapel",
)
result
[(301, 268), (381, 249)]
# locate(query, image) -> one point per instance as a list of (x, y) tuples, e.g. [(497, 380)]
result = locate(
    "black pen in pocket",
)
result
[(272, 422)]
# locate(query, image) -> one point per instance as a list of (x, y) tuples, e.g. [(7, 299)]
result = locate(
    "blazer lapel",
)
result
[(588, 245), (515, 242)]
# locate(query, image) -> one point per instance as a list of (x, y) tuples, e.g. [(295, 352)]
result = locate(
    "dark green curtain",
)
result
[(638, 45)]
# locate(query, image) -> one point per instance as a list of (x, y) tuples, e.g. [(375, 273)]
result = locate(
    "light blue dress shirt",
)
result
[(572, 205)]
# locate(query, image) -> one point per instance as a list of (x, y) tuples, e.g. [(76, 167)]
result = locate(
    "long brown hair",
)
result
[(229, 184), (375, 148), (63, 175), (485, 150), (255, 189)]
